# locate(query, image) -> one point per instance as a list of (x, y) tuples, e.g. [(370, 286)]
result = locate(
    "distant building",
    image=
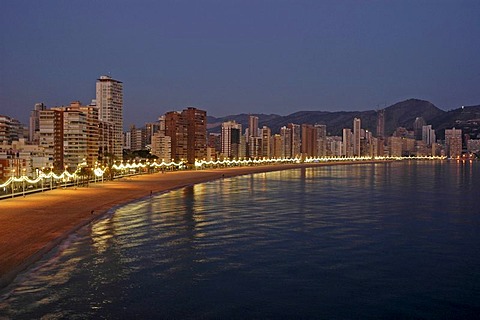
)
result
[(296, 140), (10, 130), (277, 146), (356, 137), (188, 132), (215, 142), (347, 148), (428, 135), (309, 140), (266, 142), (286, 134), (321, 140), (137, 138), (418, 127), (161, 145), (473, 145), (395, 145), (34, 127), (230, 137), (381, 123), (453, 142)]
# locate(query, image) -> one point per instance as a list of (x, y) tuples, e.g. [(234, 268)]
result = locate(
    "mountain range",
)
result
[(401, 114)]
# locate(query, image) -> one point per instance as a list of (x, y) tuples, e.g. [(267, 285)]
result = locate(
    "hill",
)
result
[(401, 114)]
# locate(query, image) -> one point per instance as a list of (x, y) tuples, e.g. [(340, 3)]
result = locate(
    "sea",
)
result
[(393, 240)]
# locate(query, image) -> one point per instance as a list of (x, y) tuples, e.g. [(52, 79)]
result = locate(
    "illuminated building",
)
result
[(356, 137), (277, 146), (453, 142), (69, 135), (265, 138), (428, 135), (286, 134), (253, 138), (109, 100), (381, 123), (34, 128), (51, 136), (161, 143), (81, 134), (296, 140), (347, 149), (230, 137), (10, 129), (309, 141), (321, 139), (395, 146), (418, 128), (188, 132)]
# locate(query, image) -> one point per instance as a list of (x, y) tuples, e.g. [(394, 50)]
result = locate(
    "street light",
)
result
[(23, 181), (13, 180)]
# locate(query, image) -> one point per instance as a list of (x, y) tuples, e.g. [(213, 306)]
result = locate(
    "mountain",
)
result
[(401, 114)]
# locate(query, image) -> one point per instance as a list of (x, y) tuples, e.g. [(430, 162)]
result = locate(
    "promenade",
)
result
[(31, 226)]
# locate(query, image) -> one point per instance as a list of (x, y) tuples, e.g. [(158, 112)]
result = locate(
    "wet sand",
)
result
[(31, 226)]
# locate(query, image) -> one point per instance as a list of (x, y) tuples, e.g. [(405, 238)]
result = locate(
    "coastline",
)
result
[(31, 226)]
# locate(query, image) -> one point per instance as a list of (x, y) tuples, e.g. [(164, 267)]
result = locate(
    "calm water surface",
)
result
[(396, 240)]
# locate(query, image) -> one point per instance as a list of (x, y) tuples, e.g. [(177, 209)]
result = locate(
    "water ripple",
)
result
[(383, 241)]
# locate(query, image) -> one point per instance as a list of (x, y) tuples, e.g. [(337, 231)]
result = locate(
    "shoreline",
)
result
[(32, 226)]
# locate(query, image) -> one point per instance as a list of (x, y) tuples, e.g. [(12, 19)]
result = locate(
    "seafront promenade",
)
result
[(31, 226)]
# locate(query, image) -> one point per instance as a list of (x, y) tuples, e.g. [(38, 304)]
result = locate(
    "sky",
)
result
[(230, 57)]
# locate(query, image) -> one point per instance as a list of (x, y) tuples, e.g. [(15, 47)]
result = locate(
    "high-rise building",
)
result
[(196, 133), (10, 130), (254, 143), (188, 133), (252, 126), (347, 149), (418, 127), (277, 146), (321, 131), (137, 138), (428, 135), (286, 139), (395, 145), (356, 137), (309, 140), (381, 123), (51, 136), (69, 135), (296, 139), (231, 144), (109, 100), (150, 129), (215, 142), (266, 143), (161, 143), (34, 127), (453, 142)]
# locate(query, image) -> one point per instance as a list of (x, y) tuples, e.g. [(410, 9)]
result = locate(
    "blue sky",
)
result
[(230, 57)]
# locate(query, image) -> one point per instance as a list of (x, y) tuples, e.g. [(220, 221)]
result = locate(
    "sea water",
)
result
[(388, 240)]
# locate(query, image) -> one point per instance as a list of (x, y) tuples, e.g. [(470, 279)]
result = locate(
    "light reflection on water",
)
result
[(387, 240)]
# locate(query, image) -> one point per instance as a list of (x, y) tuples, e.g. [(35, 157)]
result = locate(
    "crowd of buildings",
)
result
[(66, 137)]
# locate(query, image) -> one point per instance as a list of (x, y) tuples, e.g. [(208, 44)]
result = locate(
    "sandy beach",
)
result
[(31, 226)]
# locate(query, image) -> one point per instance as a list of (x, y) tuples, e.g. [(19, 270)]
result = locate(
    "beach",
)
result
[(31, 226)]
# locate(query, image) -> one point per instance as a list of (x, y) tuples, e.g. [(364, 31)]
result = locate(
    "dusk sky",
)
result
[(230, 57)]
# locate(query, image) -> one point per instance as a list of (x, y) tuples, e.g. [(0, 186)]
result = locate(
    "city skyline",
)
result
[(240, 57)]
